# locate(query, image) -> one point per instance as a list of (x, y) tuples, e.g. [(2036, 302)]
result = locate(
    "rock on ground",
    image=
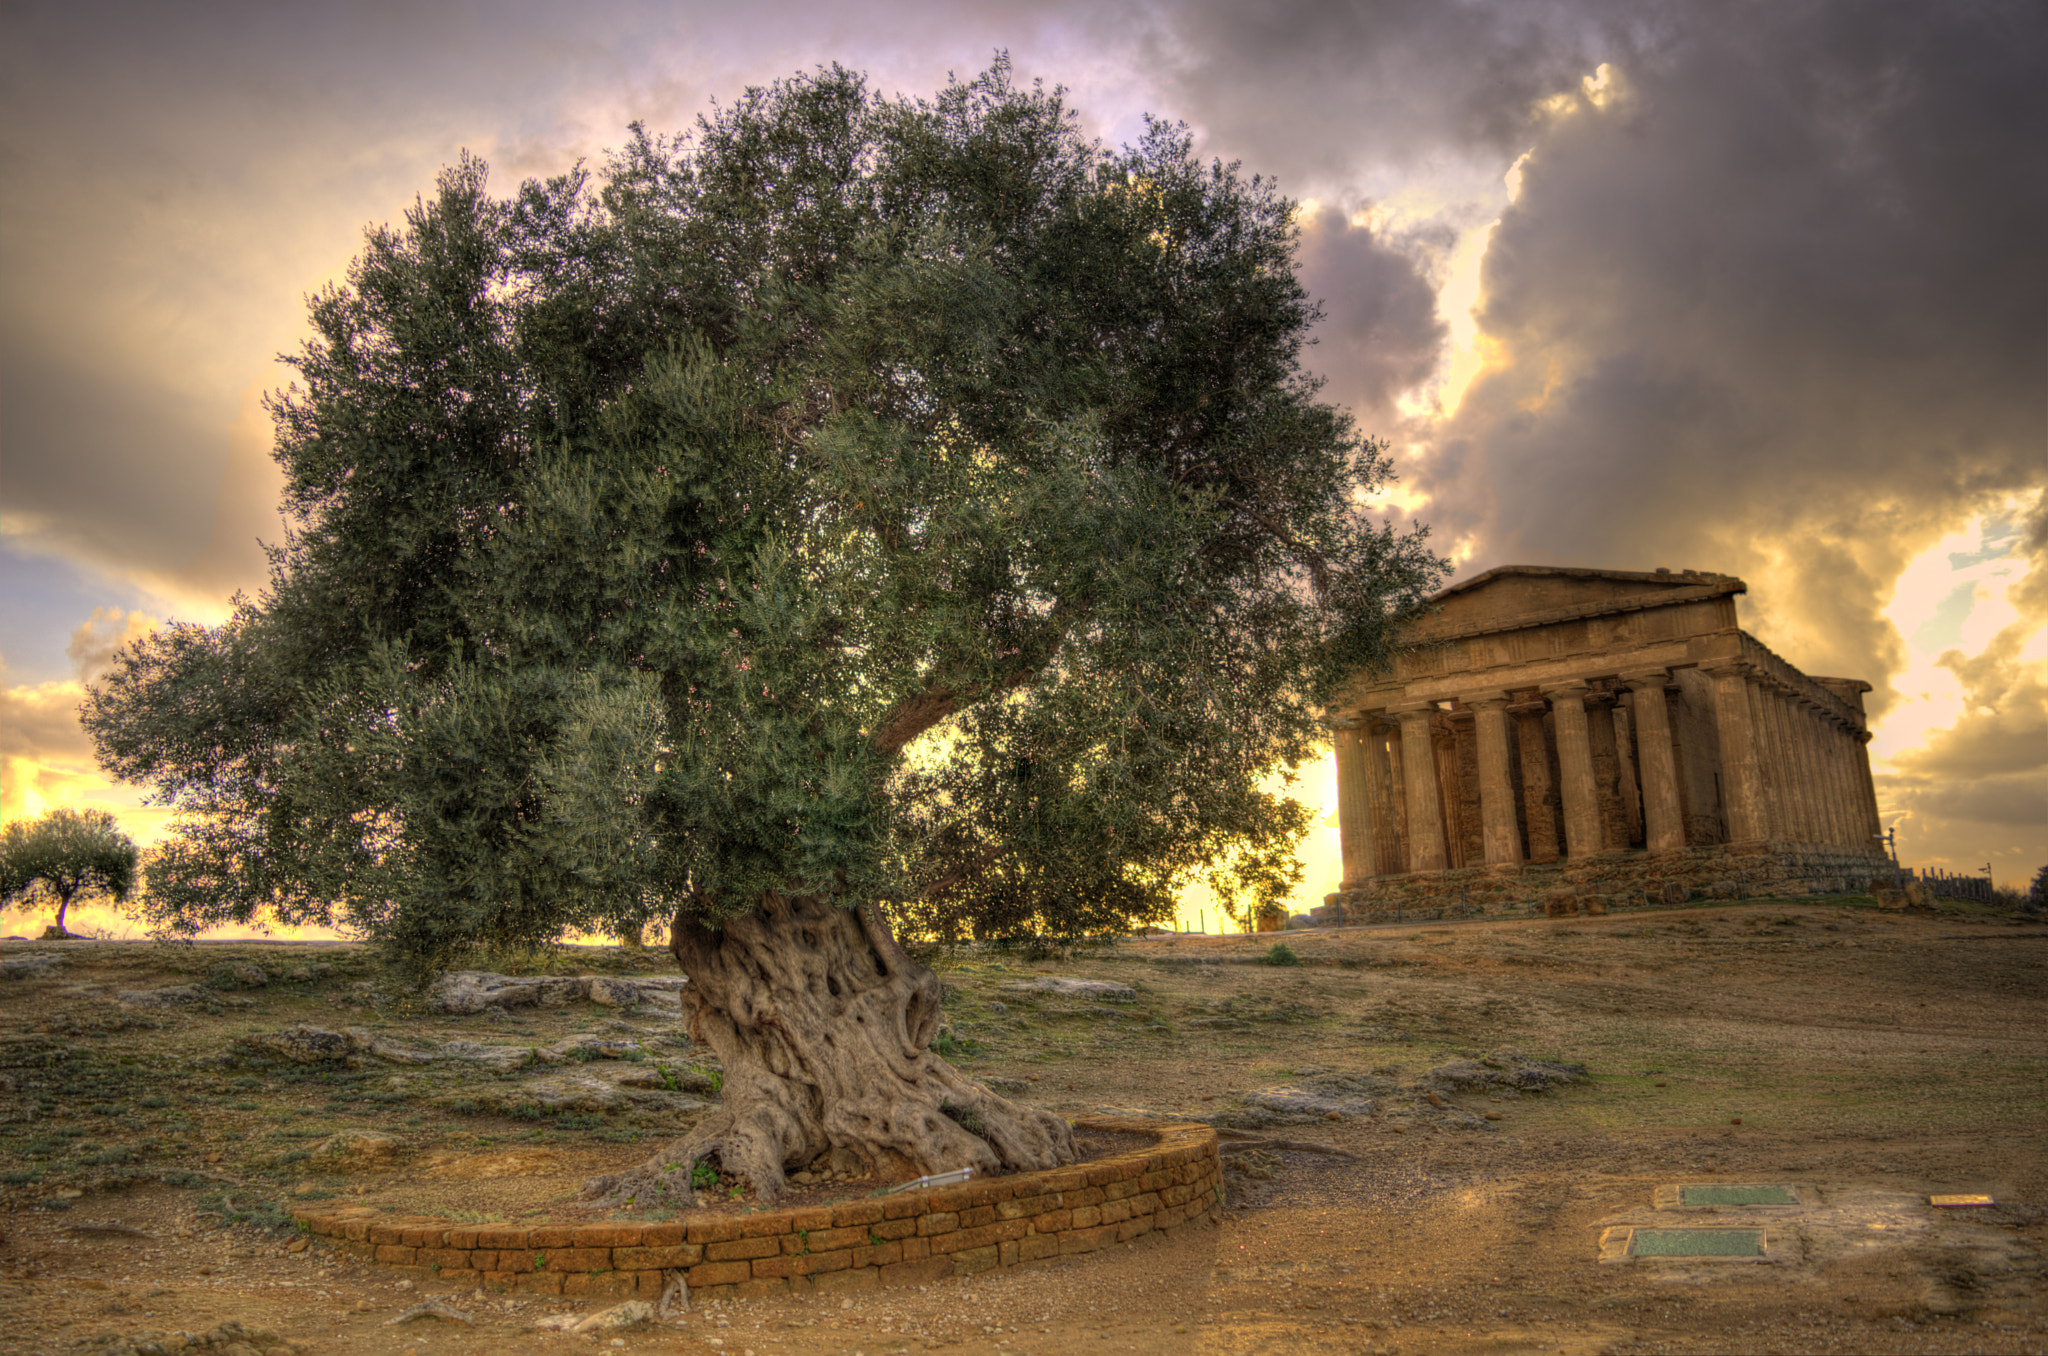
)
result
[(176, 996), (472, 991), (1101, 989), (1505, 1068), (357, 1149)]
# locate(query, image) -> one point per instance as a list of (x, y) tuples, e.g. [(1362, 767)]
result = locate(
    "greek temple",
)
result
[(1601, 732)]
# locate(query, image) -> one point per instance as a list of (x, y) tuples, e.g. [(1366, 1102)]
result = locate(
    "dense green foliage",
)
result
[(901, 500), (65, 855)]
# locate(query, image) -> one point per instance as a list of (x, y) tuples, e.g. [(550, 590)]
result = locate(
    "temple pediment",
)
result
[(1516, 596)]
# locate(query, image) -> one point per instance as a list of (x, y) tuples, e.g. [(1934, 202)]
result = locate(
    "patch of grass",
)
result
[(1281, 954)]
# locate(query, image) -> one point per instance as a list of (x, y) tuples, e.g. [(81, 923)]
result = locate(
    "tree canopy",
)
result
[(64, 856), (891, 501)]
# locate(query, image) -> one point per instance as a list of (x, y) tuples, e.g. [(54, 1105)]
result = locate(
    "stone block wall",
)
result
[(911, 1238), (1616, 880)]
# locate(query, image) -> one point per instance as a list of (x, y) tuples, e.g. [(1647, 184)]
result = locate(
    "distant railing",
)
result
[(1946, 883)]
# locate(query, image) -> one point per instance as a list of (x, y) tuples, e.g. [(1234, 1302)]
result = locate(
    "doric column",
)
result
[(1385, 855), (1826, 830), (1797, 825), (1575, 770), (1496, 781), (1741, 789), (1874, 844), (1846, 809), (1770, 772), (1425, 805), (1663, 817), (1629, 780), (1799, 728), (1397, 771), (1537, 813), (1354, 807)]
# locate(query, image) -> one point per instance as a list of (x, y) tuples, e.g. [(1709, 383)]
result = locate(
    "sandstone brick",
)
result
[(663, 1235), (1114, 1211), (968, 1261), (1007, 1251), (356, 1231), (651, 1284), (1155, 1181), (878, 1255), (766, 1226), (606, 1236), (448, 1259), (1066, 1180), (540, 1282), (1131, 1228), (916, 1249), (394, 1254), (1086, 1196), (822, 1263), (1120, 1190), (422, 1238), (1036, 1247), (1145, 1204), (979, 1214), (1101, 1174), (902, 1207), (856, 1212), (681, 1255), (1023, 1207), (938, 1222), (864, 1278), (818, 1217), (1175, 1195), (741, 1249), (1090, 1240), (719, 1273), (714, 1230), (501, 1236), (382, 1235), (894, 1228), (1087, 1217), (1053, 1221), (462, 1238), (578, 1259), (612, 1284), (551, 1236)]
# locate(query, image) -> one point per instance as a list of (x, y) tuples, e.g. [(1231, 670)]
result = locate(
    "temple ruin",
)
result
[(1597, 734)]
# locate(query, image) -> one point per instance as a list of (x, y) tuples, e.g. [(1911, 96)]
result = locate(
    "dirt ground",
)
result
[(1867, 1059)]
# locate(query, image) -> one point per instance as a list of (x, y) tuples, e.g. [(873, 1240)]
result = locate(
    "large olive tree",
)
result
[(861, 515)]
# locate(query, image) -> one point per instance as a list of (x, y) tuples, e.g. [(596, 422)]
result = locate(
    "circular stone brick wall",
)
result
[(909, 1238)]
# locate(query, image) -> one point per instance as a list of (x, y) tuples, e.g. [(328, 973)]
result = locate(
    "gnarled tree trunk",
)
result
[(823, 1025)]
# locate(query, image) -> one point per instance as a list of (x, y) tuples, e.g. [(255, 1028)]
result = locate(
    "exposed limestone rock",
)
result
[(176, 996), (1067, 987), (356, 1150), (473, 991), (34, 965), (1505, 1067), (300, 1045)]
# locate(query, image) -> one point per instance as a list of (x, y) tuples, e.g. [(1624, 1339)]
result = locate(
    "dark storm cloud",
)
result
[(1318, 90), (1380, 334), (1775, 310)]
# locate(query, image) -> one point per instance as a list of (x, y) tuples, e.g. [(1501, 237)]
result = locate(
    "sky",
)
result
[(1754, 288)]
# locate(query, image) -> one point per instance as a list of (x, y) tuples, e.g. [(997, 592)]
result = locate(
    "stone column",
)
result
[(1385, 854), (1826, 830), (1631, 782), (1770, 773), (1425, 805), (1741, 788), (1663, 815), (1354, 808), (1846, 810), (1496, 782), (1397, 768), (1797, 824), (1536, 789), (1868, 797), (1575, 771), (1800, 735)]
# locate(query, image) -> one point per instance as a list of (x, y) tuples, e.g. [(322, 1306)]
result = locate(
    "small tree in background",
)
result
[(62, 856)]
